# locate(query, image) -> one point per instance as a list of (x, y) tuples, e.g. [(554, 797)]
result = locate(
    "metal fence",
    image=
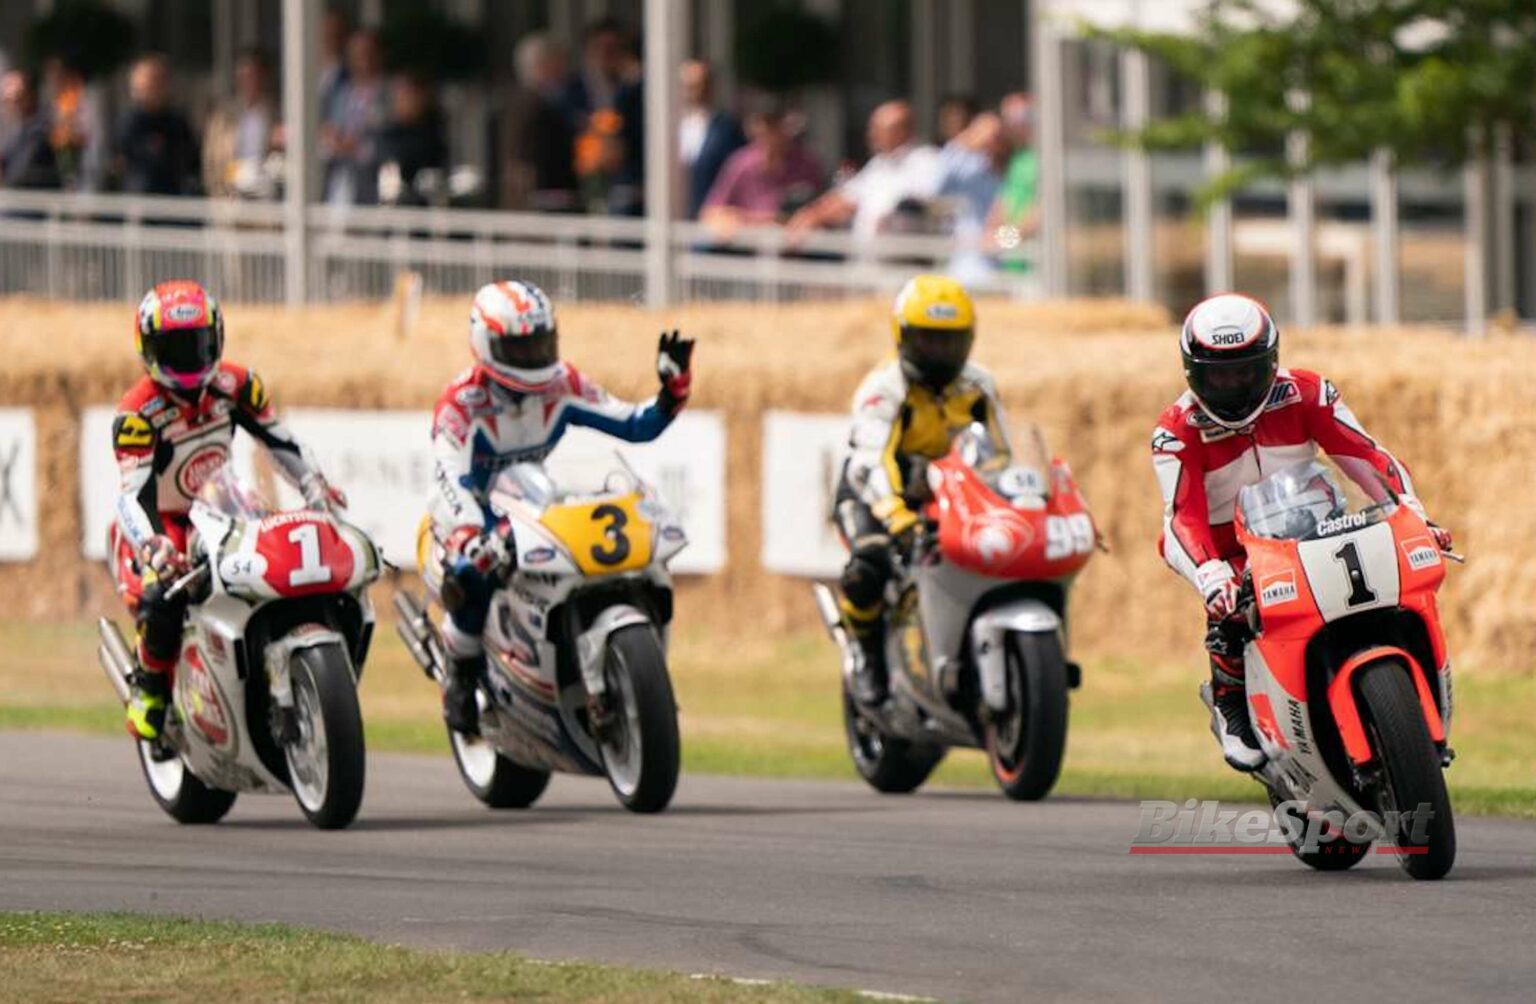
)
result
[(106, 247)]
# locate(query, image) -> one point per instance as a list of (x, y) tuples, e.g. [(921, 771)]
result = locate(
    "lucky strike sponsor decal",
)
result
[(202, 701), (195, 471), (1278, 589)]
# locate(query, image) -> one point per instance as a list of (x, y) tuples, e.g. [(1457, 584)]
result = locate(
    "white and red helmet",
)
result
[(1231, 350), (513, 336)]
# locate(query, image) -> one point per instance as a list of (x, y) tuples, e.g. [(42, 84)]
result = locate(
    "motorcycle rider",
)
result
[(512, 406), (1243, 418), (172, 431), (904, 414)]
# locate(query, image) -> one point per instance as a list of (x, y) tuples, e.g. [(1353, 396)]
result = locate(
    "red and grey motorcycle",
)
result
[(975, 637), (264, 695)]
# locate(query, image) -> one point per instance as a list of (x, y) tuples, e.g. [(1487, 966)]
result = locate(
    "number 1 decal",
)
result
[(1360, 593), (310, 570)]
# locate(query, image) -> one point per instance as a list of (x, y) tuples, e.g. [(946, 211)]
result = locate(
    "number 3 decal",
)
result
[(310, 570), (618, 544)]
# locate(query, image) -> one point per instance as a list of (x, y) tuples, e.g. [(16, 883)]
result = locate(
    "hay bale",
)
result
[(1094, 375)]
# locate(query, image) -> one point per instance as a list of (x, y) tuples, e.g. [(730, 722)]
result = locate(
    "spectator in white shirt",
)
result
[(899, 172)]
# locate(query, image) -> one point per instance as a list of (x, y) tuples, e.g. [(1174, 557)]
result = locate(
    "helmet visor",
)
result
[(1234, 390), (939, 354), (183, 350), (527, 352)]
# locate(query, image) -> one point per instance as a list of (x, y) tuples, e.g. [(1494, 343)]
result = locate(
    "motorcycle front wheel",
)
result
[(889, 765), (1025, 745), (326, 763), (1412, 780), (178, 792), (639, 744)]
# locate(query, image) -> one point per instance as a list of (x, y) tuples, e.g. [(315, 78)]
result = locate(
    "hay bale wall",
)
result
[(1461, 414)]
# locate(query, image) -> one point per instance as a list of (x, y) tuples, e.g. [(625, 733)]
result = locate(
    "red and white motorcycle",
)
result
[(1349, 677), (975, 637), (264, 696)]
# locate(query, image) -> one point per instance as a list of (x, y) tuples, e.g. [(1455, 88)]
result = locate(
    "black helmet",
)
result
[(1231, 351)]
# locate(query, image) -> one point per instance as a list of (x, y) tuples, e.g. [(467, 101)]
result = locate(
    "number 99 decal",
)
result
[(1068, 535)]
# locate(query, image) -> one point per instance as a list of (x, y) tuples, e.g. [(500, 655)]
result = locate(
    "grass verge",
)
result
[(770, 709), (66, 958)]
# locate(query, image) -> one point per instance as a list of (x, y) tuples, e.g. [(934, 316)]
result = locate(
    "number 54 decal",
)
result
[(1068, 535)]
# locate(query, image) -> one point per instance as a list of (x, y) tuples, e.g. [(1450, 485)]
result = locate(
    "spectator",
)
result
[(955, 113), (360, 111), (970, 173), (157, 151), (26, 158), (706, 136), (537, 141), (333, 66), (79, 127), (413, 147), (898, 175), (606, 67), (240, 134), (764, 181), (1015, 215)]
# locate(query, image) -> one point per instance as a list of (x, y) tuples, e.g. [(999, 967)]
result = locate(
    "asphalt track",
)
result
[(960, 896)]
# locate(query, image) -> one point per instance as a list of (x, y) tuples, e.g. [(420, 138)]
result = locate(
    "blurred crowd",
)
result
[(568, 137)]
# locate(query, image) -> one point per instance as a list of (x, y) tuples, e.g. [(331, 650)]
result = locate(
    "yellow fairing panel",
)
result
[(604, 537)]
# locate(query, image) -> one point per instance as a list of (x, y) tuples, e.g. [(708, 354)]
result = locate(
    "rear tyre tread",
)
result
[(195, 804), (899, 768)]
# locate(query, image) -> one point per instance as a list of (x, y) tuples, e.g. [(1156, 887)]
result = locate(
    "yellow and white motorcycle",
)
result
[(576, 640)]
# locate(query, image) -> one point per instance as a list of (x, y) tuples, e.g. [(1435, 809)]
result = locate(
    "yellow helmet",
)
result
[(934, 323)]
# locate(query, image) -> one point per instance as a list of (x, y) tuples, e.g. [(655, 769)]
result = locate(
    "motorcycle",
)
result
[(576, 640), (264, 695), (1349, 681), (975, 633)]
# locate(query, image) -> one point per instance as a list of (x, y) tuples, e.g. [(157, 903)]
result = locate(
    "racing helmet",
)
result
[(1231, 350), (934, 323), (179, 335), (513, 336)]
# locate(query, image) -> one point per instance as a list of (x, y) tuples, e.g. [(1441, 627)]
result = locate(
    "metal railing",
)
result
[(112, 247)]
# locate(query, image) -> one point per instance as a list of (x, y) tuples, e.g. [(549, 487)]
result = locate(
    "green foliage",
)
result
[(1431, 80), (784, 48), (89, 35), (421, 39)]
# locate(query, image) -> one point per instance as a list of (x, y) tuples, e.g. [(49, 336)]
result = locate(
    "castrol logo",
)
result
[(203, 464)]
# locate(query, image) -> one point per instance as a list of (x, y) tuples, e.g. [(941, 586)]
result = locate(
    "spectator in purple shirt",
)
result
[(766, 180)]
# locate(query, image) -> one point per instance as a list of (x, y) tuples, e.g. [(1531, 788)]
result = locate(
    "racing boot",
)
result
[(870, 681), (148, 697), (461, 709), (1228, 700)]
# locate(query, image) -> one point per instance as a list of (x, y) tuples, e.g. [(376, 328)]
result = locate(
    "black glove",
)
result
[(674, 357), (1226, 638)]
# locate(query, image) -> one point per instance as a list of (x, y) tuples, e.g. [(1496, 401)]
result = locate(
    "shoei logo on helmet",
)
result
[(1227, 339), (942, 312)]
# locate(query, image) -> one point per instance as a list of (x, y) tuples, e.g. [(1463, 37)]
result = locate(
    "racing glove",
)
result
[(1218, 585), (161, 557), (1441, 535), (674, 358), (484, 552), (320, 494)]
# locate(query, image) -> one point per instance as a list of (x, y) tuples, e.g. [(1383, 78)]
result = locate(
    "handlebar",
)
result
[(193, 578)]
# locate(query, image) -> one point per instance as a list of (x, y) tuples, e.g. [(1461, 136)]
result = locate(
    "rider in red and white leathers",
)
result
[(172, 432), (512, 407), (1242, 419)]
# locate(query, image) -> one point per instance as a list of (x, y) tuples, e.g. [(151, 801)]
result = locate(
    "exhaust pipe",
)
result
[(116, 661), (832, 620), (412, 627)]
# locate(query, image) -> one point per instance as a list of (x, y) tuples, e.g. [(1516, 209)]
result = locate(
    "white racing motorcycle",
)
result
[(264, 697), (576, 673)]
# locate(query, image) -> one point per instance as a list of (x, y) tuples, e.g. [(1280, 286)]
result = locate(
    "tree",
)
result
[(1433, 81)]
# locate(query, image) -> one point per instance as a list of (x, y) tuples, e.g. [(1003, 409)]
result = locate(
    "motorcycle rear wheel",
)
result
[(491, 777), (326, 767), (1026, 748), (641, 750), (179, 793), (889, 765), (1411, 775), (1335, 856)]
